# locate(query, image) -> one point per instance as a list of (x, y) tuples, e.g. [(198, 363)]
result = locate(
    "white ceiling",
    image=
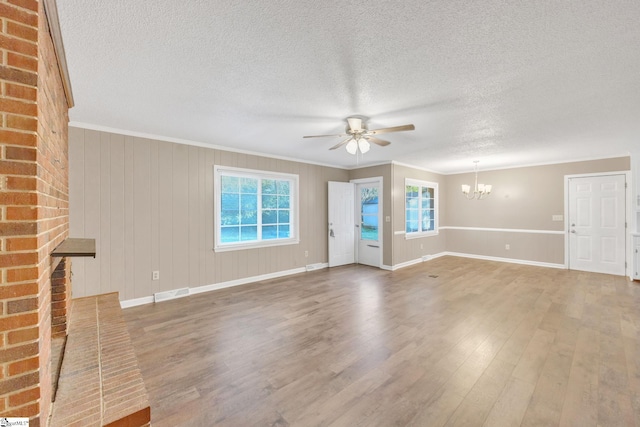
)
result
[(505, 82)]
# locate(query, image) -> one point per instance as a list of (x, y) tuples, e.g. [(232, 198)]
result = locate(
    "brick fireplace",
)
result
[(60, 297), (34, 202)]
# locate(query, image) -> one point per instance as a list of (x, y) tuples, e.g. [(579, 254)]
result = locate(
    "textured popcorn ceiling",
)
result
[(505, 82)]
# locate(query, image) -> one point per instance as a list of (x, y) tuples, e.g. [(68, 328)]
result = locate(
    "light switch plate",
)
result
[(557, 217)]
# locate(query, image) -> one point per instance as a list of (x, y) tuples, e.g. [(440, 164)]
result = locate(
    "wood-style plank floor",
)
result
[(449, 342)]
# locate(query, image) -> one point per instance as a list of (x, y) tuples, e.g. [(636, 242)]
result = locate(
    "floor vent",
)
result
[(312, 267), (167, 295)]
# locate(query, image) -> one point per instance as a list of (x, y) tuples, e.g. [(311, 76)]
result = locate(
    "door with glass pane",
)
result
[(368, 223)]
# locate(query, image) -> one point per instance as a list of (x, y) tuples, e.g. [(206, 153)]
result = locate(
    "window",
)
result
[(254, 208), (421, 209)]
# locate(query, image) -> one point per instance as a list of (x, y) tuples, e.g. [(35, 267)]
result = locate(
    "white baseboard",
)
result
[(463, 255), (509, 260), (406, 264), (136, 301), (424, 258), (221, 285), (253, 279), (172, 294), (246, 280)]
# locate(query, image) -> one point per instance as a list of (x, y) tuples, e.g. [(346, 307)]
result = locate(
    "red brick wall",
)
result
[(60, 298), (33, 205)]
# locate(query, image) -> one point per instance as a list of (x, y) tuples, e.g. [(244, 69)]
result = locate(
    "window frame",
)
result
[(294, 235), (436, 204)]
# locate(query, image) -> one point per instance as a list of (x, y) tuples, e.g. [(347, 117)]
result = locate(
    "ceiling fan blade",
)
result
[(340, 144), (378, 141), (324, 136), (391, 129)]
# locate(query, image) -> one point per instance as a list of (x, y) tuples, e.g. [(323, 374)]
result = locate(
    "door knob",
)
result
[(331, 233), (573, 231)]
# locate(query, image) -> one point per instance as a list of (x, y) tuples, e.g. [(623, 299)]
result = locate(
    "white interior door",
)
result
[(341, 223), (368, 223), (597, 224)]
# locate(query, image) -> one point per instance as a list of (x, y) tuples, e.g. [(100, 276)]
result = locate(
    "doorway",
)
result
[(596, 214), (341, 223), (355, 222)]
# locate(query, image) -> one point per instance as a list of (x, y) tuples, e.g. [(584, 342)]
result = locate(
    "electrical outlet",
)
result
[(388, 218), (306, 254), (155, 275), (421, 246), (507, 246)]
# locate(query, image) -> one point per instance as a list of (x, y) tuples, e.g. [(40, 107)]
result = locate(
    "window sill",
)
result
[(255, 245), (409, 236)]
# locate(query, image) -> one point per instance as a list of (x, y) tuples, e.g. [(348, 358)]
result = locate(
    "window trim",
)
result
[(436, 208), (294, 198)]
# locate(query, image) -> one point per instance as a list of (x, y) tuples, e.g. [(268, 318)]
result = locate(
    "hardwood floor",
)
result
[(449, 342)]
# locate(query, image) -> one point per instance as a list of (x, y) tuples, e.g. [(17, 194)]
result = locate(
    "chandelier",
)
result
[(480, 191)]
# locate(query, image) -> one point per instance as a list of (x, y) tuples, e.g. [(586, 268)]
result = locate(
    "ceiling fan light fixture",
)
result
[(355, 124), (352, 146), (363, 145), (360, 137)]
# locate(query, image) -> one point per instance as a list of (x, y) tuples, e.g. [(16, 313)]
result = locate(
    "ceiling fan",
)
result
[(360, 137)]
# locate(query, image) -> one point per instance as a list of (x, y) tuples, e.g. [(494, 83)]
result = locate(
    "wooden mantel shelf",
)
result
[(75, 247)]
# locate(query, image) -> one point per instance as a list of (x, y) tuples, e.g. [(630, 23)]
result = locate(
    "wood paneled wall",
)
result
[(149, 205), (407, 250)]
